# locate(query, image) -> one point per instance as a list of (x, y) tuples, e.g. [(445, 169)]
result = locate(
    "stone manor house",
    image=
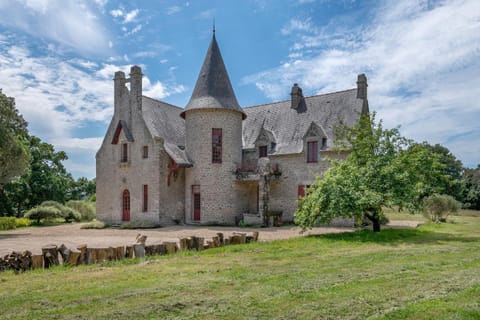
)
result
[(214, 161)]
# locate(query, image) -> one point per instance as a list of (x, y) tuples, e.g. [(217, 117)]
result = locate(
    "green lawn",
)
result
[(432, 272)]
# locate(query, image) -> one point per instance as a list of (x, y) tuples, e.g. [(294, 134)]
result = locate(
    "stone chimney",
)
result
[(362, 86), (297, 96), (119, 89), (136, 87)]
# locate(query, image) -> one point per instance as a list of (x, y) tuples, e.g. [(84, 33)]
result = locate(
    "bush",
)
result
[(23, 222), (7, 223), (43, 213), (67, 213), (437, 207), (86, 209), (94, 225), (140, 225)]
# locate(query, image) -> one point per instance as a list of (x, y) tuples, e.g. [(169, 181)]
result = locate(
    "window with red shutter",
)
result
[(216, 145), (312, 151)]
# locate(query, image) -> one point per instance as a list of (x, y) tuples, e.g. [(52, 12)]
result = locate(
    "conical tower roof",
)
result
[(213, 89)]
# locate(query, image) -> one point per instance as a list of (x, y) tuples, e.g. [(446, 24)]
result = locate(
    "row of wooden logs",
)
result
[(53, 255)]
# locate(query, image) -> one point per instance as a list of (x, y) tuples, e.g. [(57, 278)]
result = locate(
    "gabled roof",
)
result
[(290, 125), (122, 126), (213, 89)]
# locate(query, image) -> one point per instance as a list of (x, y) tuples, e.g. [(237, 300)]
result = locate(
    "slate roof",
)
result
[(289, 125), (163, 121), (213, 89)]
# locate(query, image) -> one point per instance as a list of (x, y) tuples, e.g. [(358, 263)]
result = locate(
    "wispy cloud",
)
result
[(173, 10), (59, 96), (422, 61), (73, 24)]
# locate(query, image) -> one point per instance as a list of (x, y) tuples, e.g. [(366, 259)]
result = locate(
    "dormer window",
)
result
[(312, 151), (124, 154), (262, 151)]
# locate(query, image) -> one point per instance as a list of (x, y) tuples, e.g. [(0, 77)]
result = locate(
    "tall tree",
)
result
[(383, 169), (14, 156)]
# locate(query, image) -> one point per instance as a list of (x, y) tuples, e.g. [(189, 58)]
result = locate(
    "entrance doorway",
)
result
[(126, 205), (196, 203)]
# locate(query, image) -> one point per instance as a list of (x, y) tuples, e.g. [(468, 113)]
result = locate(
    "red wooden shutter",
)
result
[(126, 205), (312, 151), (301, 191)]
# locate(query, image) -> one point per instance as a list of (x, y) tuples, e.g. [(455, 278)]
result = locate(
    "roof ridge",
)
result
[(163, 102), (307, 97)]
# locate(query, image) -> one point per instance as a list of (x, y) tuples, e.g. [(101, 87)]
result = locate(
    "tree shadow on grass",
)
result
[(397, 236)]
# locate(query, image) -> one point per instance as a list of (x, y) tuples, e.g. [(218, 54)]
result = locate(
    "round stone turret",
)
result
[(213, 132)]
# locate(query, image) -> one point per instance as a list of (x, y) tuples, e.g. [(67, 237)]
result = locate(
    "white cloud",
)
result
[(70, 23), (130, 16), (117, 13), (422, 61)]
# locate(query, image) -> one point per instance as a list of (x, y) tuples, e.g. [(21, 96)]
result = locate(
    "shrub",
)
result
[(140, 225), (94, 225), (7, 223), (86, 209), (23, 222), (43, 212), (437, 207), (67, 213)]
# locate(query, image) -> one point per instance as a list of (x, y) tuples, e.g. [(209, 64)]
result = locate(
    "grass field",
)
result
[(431, 272)]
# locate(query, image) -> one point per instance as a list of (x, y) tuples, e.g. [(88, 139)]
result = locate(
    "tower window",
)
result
[(124, 155), (216, 145), (312, 151), (262, 151)]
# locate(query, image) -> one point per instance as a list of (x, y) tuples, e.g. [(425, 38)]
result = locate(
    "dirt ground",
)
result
[(71, 235)]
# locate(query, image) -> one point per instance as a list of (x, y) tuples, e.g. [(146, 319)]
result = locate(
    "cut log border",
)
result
[(82, 254)]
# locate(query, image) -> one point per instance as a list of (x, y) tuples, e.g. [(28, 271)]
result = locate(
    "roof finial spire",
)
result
[(213, 26)]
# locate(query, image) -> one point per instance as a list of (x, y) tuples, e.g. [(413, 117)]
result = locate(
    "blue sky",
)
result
[(422, 60)]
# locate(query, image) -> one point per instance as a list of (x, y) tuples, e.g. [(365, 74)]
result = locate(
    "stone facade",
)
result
[(155, 163)]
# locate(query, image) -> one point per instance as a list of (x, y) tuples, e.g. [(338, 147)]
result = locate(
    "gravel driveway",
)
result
[(71, 235)]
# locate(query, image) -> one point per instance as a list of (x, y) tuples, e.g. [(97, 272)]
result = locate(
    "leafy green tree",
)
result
[(382, 169), (471, 178), (452, 183), (14, 156), (47, 178)]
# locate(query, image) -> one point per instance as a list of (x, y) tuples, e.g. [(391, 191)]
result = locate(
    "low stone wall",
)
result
[(53, 255)]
